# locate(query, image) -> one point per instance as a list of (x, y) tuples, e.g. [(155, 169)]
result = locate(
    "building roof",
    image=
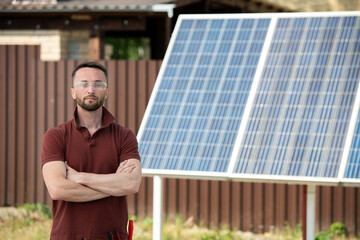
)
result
[(79, 5)]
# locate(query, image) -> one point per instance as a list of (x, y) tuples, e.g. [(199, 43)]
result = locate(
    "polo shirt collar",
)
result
[(107, 118)]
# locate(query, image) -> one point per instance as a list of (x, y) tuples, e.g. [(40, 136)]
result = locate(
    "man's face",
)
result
[(89, 89)]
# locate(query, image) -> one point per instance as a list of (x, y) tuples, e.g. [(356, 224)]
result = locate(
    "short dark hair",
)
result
[(90, 65)]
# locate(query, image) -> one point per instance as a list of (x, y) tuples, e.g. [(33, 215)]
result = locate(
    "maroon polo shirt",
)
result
[(100, 153)]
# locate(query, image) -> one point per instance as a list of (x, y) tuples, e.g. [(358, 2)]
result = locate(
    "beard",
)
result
[(92, 106)]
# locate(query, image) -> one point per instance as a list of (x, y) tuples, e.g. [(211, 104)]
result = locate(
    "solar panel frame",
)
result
[(229, 174)]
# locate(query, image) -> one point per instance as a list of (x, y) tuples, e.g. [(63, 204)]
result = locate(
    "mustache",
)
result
[(90, 96)]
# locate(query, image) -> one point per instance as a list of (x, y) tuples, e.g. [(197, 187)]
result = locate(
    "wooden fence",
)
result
[(34, 96)]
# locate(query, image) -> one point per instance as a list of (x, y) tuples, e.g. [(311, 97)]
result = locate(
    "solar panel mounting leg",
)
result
[(157, 208), (310, 212)]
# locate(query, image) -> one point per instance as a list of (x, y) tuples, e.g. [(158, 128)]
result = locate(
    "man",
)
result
[(90, 164)]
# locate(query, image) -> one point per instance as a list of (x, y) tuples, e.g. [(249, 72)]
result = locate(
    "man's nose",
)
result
[(90, 88)]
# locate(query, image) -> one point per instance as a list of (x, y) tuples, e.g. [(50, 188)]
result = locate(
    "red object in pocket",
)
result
[(131, 229)]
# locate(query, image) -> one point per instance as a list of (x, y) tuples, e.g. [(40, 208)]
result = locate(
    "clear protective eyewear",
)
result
[(95, 85)]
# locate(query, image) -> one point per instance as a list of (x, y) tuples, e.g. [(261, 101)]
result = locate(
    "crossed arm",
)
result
[(65, 183)]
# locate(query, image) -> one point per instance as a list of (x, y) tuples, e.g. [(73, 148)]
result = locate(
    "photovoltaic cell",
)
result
[(299, 120), (198, 107)]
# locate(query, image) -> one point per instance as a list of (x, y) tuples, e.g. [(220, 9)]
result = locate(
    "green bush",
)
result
[(336, 229), (323, 235), (43, 209)]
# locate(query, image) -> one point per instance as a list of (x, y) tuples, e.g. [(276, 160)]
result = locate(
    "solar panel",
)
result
[(299, 120), (256, 96)]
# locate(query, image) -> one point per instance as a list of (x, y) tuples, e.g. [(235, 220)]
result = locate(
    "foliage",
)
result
[(337, 230), (126, 48), (28, 221), (323, 236), (291, 233), (41, 208)]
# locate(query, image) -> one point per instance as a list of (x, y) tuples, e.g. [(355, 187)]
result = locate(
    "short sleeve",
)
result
[(53, 146), (129, 145)]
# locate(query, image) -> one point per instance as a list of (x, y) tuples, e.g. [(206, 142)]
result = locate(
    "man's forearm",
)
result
[(124, 181), (75, 192), (60, 188), (116, 184)]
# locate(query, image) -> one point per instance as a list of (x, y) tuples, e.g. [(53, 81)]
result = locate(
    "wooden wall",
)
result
[(34, 96)]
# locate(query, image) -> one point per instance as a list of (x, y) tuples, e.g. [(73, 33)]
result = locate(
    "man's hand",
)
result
[(126, 167), (72, 174)]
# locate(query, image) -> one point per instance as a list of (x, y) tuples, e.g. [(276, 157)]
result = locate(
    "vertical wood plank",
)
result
[(61, 93), (292, 206), (150, 194), (225, 203), (11, 129), (141, 91), (214, 204), (33, 53), (236, 211), (112, 99), (247, 217), (338, 210), (325, 207), (41, 119), (193, 199), (350, 216), (258, 221), (3, 123), (121, 91), (269, 207), (140, 208), (130, 199), (21, 129), (279, 205), (299, 204), (70, 103), (172, 198), (132, 100), (154, 67), (317, 209), (183, 198), (51, 99), (204, 208)]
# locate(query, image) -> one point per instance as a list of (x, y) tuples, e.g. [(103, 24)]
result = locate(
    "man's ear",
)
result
[(107, 93), (73, 94)]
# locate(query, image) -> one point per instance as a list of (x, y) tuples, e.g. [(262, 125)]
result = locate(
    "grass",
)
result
[(33, 222), (29, 221)]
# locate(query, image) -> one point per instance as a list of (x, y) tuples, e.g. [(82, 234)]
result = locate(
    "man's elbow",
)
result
[(134, 186), (131, 188), (54, 193)]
